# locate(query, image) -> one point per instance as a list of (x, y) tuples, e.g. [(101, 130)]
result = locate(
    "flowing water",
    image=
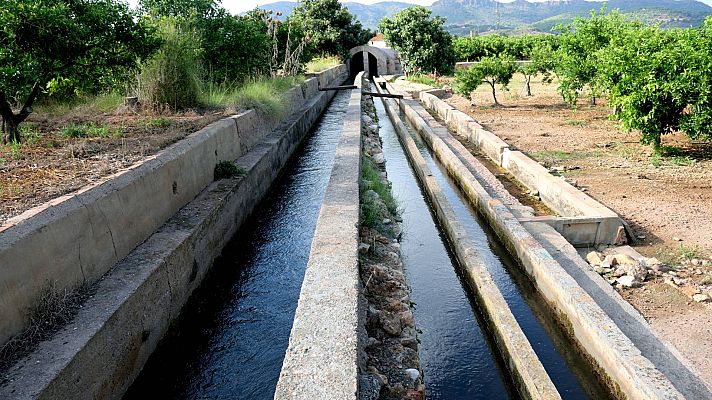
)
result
[(230, 339)]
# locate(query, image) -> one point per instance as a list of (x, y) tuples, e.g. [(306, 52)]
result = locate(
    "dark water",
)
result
[(451, 351), (230, 339), (457, 356)]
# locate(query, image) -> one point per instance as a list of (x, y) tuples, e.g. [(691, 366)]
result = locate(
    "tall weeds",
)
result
[(173, 76)]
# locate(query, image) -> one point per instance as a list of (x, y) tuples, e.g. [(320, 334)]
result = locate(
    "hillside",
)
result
[(465, 16)]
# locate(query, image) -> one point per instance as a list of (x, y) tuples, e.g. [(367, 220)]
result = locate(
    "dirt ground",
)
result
[(667, 200), (49, 163)]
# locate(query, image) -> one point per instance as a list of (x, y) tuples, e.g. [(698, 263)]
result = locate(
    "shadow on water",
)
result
[(230, 339)]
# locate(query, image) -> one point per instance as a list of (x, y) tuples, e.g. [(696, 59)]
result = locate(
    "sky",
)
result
[(238, 6)]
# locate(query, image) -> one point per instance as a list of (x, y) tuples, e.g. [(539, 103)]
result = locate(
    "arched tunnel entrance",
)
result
[(358, 64)]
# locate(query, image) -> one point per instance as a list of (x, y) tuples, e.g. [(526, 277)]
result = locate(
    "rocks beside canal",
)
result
[(391, 365)]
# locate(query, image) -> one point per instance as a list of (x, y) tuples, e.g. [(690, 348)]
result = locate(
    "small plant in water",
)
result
[(228, 169)]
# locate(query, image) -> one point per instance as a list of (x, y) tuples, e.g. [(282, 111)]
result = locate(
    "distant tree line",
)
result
[(656, 80)]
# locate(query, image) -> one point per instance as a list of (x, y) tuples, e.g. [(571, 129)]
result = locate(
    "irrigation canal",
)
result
[(458, 354), (230, 339)]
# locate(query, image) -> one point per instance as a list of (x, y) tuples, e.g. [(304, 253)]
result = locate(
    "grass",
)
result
[(100, 104), (670, 156), (575, 122), (322, 63), (228, 169), (89, 130), (370, 173), (556, 156), (422, 79), (372, 213), (55, 309), (266, 96), (158, 122)]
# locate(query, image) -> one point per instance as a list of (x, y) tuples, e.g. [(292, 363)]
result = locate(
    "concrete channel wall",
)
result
[(102, 350), (321, 361), (582, 220), (628, 372), (529, 374), (75, 239)]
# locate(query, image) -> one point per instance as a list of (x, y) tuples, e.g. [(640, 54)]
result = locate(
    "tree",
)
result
[(541, 61), (421, 41), (579, 42), (329, 26), (659, 81), (490, 70), (73, 45)]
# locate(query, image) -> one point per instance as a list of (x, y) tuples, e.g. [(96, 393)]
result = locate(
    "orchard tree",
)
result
[(421, 41), (541, 61), (491, 70), (659, 81), (329, 27), (70, 46), (579, 42)]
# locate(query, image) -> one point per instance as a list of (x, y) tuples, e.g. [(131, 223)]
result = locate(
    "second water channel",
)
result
[(458, 354)]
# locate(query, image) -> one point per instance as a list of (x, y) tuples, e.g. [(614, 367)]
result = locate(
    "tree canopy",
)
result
[(69, 46), (330, 27), (421, 41)]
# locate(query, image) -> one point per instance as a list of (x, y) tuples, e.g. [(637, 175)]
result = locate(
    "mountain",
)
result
[(465, 16)]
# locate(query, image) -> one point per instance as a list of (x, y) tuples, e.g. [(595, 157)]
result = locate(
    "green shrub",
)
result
[(172, 77), (228, 169)]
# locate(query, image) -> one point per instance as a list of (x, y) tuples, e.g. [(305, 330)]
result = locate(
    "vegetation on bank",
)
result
[(655, 80), (174, 55)]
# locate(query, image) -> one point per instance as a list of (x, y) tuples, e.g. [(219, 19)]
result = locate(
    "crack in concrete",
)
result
[(81, 265), (111, 233)]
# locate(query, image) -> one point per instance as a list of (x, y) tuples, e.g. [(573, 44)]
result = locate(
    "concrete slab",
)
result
[(100, 352), (530, 376), (321, 361), (663, 355)]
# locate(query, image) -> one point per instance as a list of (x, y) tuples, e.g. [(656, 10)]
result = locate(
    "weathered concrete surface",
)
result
[(663, 355), (531, 378), (630, 373), (321, 361), (76, 238), (556, 193), (99, 354)]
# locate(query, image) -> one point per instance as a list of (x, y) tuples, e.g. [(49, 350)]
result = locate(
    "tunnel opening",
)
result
[(356, 64), (372, 65)]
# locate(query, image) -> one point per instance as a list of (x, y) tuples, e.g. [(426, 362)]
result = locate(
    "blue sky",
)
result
[(237, 6)]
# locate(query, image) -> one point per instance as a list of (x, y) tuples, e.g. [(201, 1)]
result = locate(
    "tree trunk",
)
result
[(494, 93), (593, 100), (527, 86), (10, 120)]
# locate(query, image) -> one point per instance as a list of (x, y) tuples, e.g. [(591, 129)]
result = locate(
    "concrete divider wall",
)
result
[(102, 350), (555, 192), (530, 376), (75, 239), (630, 374), (321, 361)]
